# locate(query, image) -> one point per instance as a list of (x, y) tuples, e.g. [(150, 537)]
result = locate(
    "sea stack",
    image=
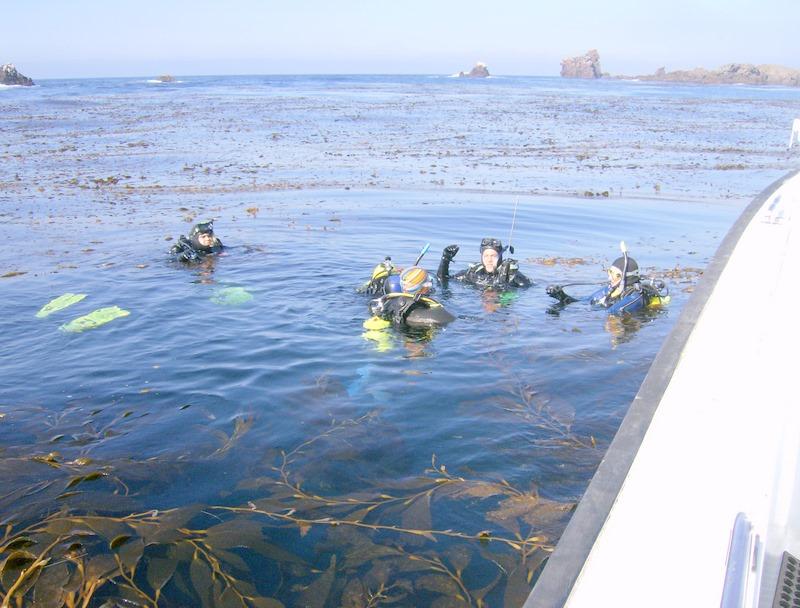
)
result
[(479, 71), (9, 76), (586, 66)]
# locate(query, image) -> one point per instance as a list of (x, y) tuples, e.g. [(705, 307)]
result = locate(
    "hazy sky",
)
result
[(75, 38)]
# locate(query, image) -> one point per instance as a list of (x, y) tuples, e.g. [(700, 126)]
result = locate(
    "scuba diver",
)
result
[(385, 279), (625, 291), (409, 306), (200, 243), (492, 272)]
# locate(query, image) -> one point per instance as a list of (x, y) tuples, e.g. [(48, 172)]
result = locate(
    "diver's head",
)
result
[(618, 267), (415, 280), (491, 253), (203, 234)]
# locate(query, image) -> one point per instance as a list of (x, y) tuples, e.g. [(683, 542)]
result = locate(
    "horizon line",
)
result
[(178, 75)]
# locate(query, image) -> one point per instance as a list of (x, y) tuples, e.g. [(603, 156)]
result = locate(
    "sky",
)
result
[(89, 38)]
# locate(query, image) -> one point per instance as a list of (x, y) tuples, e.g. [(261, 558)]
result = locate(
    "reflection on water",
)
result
[(239, 439)]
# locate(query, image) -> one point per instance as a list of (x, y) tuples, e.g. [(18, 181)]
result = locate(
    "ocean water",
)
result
[(267, 451)]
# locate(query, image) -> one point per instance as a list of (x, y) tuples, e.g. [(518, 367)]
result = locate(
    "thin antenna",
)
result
[(513, 221)]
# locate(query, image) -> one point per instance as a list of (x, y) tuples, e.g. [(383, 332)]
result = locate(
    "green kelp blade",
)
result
[(231, 296), (59, 303), (96, 318)]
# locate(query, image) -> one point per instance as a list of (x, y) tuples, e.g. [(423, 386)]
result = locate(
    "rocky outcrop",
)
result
[(9, 75), (166, 78), (732, 73), (588, 66), (479, 71), (585, 66)]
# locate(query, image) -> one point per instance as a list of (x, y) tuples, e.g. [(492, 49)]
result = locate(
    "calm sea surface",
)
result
[(238, 439)]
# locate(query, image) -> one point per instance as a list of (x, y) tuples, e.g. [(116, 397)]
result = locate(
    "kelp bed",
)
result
[(78, 535)]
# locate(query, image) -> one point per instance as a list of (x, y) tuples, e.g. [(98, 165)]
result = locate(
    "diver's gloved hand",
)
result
[(450, 252), (376, 307)]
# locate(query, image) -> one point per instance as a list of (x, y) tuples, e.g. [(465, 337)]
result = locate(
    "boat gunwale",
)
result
[(563, 568)]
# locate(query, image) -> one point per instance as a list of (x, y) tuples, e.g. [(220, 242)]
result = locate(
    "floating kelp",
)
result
[(374, 546), (557, 261), (94, 319), (59, 303), (548, 416), (231, 296)]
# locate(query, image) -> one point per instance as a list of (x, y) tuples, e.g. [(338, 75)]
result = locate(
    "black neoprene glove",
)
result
[(450, 252)]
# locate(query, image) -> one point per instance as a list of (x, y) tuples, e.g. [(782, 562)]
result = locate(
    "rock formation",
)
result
[(585, 66), (732, 73), (9, 75), (166, 78), (588, 66), (479, 71)]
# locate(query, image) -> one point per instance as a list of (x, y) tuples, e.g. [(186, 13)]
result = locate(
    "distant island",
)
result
[(9, 76), (479, 71), (166, 78), (588, 67)]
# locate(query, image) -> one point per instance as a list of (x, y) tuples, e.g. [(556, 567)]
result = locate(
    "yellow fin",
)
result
[(96, 318), (59, 303), (374, 323), (383, 339)]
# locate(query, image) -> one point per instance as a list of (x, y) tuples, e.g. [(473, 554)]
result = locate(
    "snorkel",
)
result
[(624, 250), (629, 270), (421, 253)]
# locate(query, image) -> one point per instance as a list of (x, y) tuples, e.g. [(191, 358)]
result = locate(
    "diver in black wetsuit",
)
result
[(200, 243), (492, 272), (411, 307)]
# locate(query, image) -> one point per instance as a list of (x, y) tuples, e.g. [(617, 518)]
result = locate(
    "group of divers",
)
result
[(403, 298)]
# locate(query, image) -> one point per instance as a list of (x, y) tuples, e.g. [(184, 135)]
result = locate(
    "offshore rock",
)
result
[(479, 71), (731, 73), (166, 78), (9, 75), (585, 66)]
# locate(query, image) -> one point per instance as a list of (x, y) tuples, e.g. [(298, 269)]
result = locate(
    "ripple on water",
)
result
[(279, 406)]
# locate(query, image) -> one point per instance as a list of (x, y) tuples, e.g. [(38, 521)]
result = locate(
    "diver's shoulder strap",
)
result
[(408, 303), (417, 298)]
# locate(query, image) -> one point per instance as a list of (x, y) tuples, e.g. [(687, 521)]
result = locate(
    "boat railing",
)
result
[(741, 573)]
